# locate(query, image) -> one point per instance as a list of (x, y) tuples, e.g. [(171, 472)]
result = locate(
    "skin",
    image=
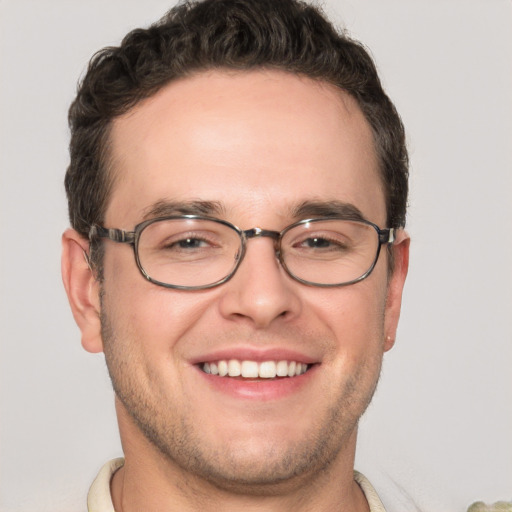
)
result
[(259, 144)]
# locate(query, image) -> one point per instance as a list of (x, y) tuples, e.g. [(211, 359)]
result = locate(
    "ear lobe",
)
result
[(395, 288), (82, 288)]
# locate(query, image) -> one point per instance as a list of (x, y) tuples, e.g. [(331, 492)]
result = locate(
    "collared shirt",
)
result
[(99, 498)]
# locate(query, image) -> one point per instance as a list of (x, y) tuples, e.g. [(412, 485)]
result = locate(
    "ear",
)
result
[(395, 287), (82, 288)]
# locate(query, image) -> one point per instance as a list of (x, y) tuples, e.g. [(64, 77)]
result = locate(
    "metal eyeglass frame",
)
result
[(385, 236)]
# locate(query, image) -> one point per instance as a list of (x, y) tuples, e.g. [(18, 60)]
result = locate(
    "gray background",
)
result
[(440, 426)]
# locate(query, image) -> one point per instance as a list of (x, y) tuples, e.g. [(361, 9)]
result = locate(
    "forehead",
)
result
[(255, 142)]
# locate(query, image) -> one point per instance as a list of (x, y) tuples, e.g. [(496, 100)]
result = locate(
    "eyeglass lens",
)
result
[(200, 252)]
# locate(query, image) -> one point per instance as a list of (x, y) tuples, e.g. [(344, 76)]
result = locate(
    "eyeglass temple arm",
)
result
[(387, 236), (116, 235)]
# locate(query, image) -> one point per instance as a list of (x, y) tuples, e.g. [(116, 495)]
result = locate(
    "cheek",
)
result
[(153, 317), (355, 317)]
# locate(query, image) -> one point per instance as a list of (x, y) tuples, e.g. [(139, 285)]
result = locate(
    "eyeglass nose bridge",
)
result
[(257, 233)]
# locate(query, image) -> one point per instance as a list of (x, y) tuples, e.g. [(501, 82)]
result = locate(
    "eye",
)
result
[(187, 247), (323, 242), (317, 242), (188, 243)]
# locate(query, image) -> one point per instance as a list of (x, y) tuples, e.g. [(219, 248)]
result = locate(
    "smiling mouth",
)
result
[(254, 369)]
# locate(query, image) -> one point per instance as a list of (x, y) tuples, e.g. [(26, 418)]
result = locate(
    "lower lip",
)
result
[(258, 389)]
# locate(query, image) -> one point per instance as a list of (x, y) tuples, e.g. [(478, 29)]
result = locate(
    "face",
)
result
[(250, 148)]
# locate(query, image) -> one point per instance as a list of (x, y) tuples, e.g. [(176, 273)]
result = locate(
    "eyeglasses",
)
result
[(191, 252)]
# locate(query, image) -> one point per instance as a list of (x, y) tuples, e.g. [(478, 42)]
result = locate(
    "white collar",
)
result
[(99, 498)]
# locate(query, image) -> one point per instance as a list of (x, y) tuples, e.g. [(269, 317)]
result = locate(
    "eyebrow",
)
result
[(333, 208), (164, 208), (306, 209)]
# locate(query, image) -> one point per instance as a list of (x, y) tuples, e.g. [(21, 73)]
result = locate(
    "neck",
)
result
[(150, 481)]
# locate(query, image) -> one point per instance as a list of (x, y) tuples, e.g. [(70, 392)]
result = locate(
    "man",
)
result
[(237, 193)]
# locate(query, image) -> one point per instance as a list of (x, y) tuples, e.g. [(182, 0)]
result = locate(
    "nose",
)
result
[(260, 292)]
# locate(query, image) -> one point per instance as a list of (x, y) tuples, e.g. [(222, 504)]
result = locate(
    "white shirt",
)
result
[(99, 498)]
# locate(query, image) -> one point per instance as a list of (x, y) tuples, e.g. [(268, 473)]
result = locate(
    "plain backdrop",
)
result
[(440, 426)]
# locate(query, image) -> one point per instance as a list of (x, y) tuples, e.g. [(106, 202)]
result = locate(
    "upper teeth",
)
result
[(255, 369)]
